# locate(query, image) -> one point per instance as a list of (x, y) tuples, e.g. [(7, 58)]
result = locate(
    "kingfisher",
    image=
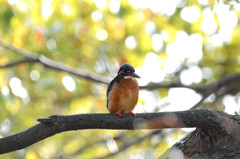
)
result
[(123, 90)]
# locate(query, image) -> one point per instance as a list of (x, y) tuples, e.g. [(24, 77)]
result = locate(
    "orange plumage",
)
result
[(122, 93)]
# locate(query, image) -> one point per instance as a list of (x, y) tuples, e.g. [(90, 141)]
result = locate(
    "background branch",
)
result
[(204, 90), (131, 143), (227, 85), (46, 62), (56, 124), (10, 64)]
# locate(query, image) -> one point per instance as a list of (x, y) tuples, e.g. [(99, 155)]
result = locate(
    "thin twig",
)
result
[(10, 64), (131, 143), (100, 142)]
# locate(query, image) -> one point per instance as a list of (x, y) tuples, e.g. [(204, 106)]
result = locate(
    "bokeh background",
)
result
[(196, 42)]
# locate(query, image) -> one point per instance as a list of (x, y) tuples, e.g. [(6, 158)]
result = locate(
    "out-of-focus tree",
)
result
[(192, 42)]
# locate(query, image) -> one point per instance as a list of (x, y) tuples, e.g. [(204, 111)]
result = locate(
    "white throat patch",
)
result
[(129, 77)]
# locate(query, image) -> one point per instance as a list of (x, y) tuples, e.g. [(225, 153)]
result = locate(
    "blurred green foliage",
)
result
[(92, 36)]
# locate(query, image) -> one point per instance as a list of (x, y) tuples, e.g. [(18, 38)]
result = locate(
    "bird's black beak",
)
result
[(134, 75)]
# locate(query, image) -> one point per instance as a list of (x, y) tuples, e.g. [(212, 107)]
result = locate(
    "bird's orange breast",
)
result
[(123, 96)]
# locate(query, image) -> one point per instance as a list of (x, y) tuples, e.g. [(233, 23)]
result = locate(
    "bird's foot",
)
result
[(118, 113), (132, 113)]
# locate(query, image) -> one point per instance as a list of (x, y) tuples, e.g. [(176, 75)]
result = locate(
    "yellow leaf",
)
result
[(31, 155)]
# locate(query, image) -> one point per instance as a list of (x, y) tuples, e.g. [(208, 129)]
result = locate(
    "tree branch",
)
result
[(34, 57), (46, 62), (100, 142), (226, 85), (56, 124), (16, 63), (220, 142), (131, 143)]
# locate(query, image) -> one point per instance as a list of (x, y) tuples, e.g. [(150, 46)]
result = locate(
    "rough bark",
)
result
[(218, 139), (215, 130)]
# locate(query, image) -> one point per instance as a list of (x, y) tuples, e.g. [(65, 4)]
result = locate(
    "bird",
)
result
[(123, 90)]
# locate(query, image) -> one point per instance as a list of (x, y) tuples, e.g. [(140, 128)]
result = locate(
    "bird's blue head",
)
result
[(127, 70)]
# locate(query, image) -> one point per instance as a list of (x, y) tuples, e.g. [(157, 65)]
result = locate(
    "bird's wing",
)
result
[(110, 86)]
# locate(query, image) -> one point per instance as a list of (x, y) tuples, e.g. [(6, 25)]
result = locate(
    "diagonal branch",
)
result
[(57, 124), (10, 64), (131, 143), (227, 85), (100, 142), (33, 57)]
